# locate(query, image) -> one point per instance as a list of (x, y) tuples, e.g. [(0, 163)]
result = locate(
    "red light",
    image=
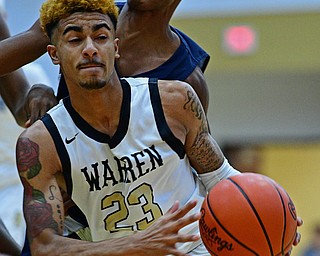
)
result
[(240, 40)]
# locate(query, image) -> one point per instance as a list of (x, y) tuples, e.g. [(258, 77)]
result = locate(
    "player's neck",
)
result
[(91, 105)]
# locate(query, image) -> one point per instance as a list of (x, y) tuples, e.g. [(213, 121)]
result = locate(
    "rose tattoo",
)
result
[(28, 157)]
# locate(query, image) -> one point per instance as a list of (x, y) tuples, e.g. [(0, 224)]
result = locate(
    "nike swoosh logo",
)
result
[(68, 141)]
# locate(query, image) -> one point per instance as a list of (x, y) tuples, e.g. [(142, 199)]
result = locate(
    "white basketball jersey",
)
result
[(124, 183)]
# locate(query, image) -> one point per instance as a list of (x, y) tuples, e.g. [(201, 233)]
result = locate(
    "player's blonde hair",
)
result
[(52, 11)]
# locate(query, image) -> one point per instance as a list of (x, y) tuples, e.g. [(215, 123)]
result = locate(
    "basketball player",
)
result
[(175, 52), (122, 149)]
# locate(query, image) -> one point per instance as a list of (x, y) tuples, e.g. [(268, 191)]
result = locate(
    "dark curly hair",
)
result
[(52, 11)]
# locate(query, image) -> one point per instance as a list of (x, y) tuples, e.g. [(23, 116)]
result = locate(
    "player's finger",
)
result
[(27, 124), (297, 239), (174, 207), (34, 115), (181, 212)]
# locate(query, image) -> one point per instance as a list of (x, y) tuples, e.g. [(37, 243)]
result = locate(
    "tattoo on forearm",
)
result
[(205, 153), (38, 212), (203, 150), (28, 157)]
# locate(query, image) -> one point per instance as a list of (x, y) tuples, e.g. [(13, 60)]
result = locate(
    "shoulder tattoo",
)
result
[(28, 157)]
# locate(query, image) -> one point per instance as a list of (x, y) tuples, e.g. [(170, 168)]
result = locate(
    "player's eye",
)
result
[(102, 37), (74, 40)]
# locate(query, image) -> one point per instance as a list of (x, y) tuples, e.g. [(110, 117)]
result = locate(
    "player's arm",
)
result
[(186, 118), (21, 49), (199, 84), (38, 165), (27, 105), (14, 86), (203, 151), (14, 89)]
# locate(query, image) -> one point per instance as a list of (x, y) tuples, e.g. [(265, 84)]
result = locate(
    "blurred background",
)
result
[(264, 80)]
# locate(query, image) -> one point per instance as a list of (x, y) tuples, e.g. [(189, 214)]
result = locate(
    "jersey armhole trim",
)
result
[(163, 128), (61, 149)]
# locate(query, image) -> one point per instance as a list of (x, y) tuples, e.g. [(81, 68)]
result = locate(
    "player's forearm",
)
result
[(159, 239), (13, 90), (22, 48), (48, 244)]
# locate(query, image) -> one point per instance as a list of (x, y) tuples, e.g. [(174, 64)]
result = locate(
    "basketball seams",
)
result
[(284, 247), (255, 213), (225, 230), (284, 214)]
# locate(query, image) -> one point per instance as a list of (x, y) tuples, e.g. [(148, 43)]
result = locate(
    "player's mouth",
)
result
[(90, 65)]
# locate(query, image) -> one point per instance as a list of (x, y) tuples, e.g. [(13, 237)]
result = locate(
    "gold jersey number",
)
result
[(141, 196)]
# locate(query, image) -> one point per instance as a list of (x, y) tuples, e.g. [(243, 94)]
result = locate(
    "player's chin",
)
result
[(93, 83)]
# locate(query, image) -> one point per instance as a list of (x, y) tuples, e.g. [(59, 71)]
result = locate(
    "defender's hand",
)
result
[(39, 100)]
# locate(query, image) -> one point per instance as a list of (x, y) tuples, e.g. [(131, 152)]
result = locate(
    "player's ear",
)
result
[(52, 51), (116, 48)]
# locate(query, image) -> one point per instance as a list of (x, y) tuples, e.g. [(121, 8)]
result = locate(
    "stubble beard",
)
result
[(93, 84)]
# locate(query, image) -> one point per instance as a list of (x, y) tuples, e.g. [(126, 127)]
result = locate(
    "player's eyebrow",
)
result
[(72, 28), (79, 29), (101, 25)]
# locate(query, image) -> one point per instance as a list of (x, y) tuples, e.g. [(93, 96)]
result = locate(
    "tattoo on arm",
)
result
[(28, 157), (59, 211), (53, 188), (194, 104), (204, 147), (37, 211)]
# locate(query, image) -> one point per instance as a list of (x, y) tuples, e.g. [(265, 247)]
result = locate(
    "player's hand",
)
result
[(161, 237), (40, 98), (298, 235)]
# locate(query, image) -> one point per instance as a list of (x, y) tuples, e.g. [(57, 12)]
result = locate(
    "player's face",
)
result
[(85, 48)]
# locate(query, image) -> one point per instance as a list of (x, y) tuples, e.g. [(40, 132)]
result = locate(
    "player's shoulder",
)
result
[(175, 87), (178, 95), (37, 131)]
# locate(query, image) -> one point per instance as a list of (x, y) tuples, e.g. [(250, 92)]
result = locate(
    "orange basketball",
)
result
[(248, 214)]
